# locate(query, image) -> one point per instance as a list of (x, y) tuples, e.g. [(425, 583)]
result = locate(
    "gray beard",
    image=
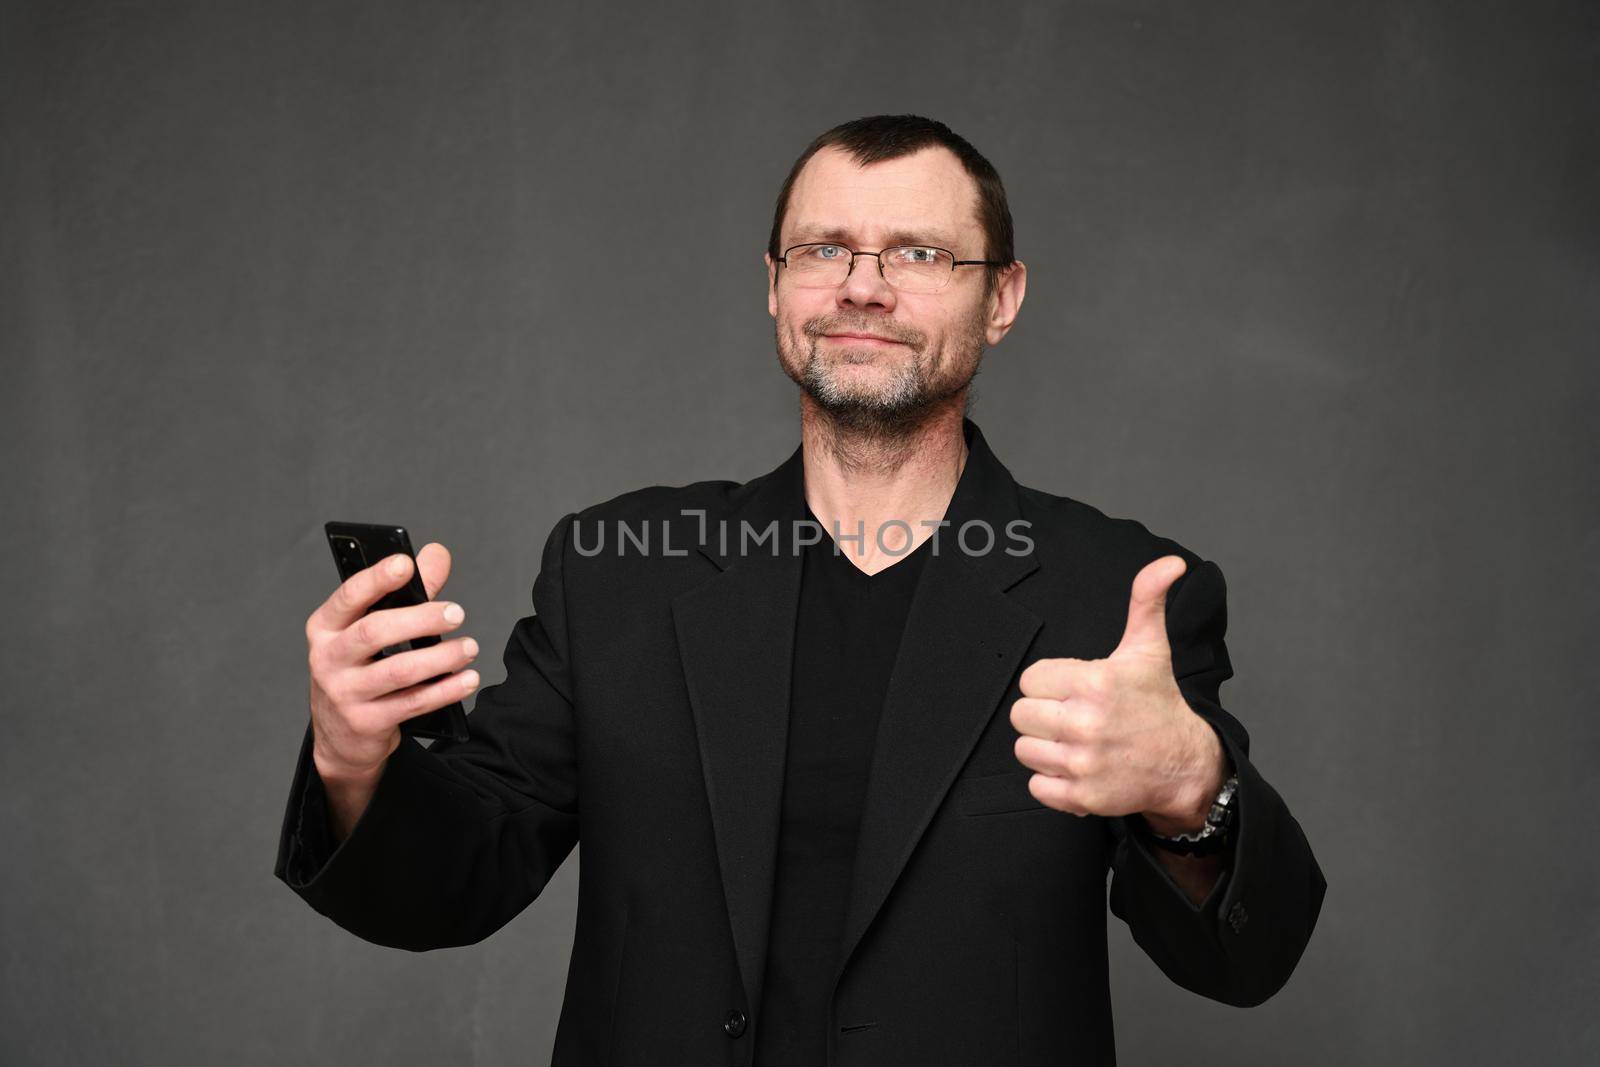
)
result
[(906, 401), (893, 413)]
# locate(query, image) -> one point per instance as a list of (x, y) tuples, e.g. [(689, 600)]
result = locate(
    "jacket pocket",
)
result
[(995, 794)]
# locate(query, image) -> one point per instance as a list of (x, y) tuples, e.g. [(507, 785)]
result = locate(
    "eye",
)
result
[(917, 254), (826, 251)]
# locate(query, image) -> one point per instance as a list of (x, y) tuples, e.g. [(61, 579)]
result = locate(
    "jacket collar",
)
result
[(964, 641)]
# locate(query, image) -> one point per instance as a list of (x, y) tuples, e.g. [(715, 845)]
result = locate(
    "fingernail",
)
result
[(398, 566), (470, 647), (469, 679), (453, 613)]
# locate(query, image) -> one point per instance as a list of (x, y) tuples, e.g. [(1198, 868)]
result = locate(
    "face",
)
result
[(870, 356)]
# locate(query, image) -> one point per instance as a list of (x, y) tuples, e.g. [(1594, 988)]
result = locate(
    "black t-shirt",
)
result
[(847, 634)]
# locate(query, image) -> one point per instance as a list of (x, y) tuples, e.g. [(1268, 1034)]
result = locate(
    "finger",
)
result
[(1063, 794), (403, 670), (433, 561), (360, 591), (1058, 679), (1146, 630), (1040, 717), (425, 697), (1071, 722), (1049, 757), (377, 630)]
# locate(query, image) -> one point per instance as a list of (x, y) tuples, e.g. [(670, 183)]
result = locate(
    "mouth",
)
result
[(861, 338)]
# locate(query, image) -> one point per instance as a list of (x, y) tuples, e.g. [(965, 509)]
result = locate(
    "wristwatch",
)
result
[(1211, 838)]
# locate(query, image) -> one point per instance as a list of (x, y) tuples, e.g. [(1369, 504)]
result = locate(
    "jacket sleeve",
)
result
[(1239, 946), (460, 837)]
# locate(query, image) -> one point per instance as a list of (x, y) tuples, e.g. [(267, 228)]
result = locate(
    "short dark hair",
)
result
[(880, 137)]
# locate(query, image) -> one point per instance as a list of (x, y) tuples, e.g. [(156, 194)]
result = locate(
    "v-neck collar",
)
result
[(835, 554)]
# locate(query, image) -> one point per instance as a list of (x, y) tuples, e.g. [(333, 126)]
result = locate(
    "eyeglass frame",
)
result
[(878, 255)]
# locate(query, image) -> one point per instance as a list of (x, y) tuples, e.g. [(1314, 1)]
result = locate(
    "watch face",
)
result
[(1222, 809)]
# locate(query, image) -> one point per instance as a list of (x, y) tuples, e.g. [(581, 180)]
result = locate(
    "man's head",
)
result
[(868, 185)]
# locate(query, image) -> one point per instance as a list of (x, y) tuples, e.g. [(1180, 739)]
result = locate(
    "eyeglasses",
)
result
[(908, 268)]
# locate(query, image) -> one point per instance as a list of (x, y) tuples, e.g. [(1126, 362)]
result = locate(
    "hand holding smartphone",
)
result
[(357, 546)]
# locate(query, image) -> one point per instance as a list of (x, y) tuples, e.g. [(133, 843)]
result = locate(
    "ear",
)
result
[(772, 284), (1006, 301)]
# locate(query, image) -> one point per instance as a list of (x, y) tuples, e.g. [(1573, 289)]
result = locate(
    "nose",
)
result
[(864, 285)]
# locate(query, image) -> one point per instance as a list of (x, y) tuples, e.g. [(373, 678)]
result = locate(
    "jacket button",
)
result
[(1237, 916), (734, 1025)]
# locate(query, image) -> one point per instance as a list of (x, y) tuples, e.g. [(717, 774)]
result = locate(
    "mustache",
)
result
[(826, 324)]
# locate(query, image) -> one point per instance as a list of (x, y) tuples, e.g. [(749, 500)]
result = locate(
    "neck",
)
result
[(869, 480)]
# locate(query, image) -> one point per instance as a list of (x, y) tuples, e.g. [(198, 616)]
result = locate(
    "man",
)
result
[(850, 747)]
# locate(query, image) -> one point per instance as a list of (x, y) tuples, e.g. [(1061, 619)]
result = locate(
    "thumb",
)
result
[(1147, 607), (433, 562)]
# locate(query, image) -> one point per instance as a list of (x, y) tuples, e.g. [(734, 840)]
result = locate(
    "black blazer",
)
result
[(644, 710)]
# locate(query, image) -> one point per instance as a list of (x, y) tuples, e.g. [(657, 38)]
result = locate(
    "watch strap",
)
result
[(1213, 837)]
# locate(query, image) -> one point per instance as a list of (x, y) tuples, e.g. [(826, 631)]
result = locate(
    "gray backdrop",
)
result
[(1313, 291)]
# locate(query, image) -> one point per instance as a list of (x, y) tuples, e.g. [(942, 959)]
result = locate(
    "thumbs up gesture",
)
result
[(1115, 736)]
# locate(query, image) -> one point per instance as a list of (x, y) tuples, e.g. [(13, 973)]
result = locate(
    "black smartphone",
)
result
[(357, 546)]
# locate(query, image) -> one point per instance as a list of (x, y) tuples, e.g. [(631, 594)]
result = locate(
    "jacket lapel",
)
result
[(736, 643), (963, 642)]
